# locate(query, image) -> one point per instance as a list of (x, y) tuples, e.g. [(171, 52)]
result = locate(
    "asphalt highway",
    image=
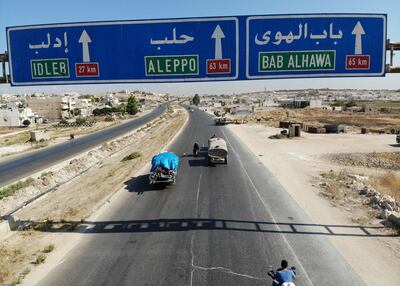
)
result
[(32, 162), (218, 225)]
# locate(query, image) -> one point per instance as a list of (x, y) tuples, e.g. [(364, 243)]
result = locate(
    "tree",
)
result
[(122, 108), (133, 106), (77, 112), (196, 99), (26, 123)]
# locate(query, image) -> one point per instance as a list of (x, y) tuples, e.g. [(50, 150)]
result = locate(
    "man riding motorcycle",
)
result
[(196, 149), (283, 276)]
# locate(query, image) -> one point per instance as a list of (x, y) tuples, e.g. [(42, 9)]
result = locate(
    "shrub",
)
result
[(278, 136), (80, 121), (26, 122), (41, 258), (132, 156), (63, 122), (133, 106), (10, 190), (49, 248)]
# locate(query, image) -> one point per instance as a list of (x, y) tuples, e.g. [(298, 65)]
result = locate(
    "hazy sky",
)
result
[(27, 12)]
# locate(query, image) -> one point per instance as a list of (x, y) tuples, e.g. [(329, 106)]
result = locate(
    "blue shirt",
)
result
[(285, 276)]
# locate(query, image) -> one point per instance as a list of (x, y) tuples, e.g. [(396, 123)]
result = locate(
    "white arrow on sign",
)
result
[(85, 40), (218, 35), (358, 31)]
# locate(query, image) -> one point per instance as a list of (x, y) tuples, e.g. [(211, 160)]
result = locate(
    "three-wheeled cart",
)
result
[(164, 168)]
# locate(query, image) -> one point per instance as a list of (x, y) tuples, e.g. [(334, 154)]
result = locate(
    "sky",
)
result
[(28, 12)]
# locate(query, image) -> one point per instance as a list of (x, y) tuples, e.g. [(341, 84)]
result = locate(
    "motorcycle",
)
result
[(275, 282), (196, 150)]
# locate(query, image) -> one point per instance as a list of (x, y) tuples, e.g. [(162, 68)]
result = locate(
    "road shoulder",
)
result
[(375, 259)]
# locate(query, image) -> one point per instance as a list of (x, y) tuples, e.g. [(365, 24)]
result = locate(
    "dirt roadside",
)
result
[(18, 142), (296, 163), (79, 199)]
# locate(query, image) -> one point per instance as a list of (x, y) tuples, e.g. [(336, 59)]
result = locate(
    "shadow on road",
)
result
[(141, 184), (166, 225)]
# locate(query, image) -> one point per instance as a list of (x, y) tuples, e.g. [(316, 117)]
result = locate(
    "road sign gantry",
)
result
[(198, 49)]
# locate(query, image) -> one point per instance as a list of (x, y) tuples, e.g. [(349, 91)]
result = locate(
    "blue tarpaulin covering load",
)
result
[(167, 160)]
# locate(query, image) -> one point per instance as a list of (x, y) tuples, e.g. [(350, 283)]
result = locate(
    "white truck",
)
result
[(217, 151)]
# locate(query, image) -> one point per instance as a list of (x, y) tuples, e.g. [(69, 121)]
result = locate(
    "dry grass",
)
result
[(387, 184), (334, 189), (19, 138), (321, 117), (382, 160)]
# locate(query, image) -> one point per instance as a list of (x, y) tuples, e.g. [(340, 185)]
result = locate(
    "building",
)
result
[(13, 115), (50, 108), (53, 107), (315, 103)]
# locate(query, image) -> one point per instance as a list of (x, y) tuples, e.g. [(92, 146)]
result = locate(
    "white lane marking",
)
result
[(229, 271), (216, 268), (192, 238), (267, 209)]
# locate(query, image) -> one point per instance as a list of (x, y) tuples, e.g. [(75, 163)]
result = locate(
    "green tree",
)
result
[(133, 106), (77, 112), (196, 99), (122, 108)]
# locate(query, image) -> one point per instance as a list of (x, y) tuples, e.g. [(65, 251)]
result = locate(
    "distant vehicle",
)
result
[(220, 120), (217, 151), (398, 138), (191, 110), (164, 168)]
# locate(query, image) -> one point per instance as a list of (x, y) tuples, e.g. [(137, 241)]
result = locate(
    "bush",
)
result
[(278, 136), (196, 99), (105, 111), (10, 190), (77, 112), (80, 121), (49, 248), (41, 258), (63, 122), (132, 156), (26, 122), (133, 106)]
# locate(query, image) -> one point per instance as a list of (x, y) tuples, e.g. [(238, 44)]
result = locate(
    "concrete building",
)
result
[(315, 103), (13, 115), (55, 107), (85, 106), (50, 108)]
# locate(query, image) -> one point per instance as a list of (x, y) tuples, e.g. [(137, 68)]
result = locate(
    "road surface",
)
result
[(26, 164), (219, 225)]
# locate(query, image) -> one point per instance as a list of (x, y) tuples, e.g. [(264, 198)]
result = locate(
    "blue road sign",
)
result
[(315, 45), (198, 49)]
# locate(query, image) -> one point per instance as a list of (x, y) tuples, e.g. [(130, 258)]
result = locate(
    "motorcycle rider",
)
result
[(283, 276), (196, 149)]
